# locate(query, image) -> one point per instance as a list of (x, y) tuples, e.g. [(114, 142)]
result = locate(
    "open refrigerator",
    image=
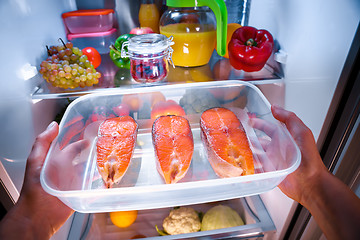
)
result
[(312, 72)]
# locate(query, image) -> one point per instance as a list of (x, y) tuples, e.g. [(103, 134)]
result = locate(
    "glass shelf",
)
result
[(218, 69), (257, 223)]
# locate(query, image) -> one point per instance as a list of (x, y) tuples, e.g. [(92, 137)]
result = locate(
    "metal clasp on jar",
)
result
[(124, 53), (170, 51)]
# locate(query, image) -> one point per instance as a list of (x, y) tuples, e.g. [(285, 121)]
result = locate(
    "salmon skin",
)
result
[(115, 146), (226, 143), (174, 146)]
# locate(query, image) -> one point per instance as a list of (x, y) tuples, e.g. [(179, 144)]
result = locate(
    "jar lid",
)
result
[(149, 43)]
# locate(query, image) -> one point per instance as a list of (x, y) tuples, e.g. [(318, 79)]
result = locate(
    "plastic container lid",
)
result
[(71, 36), (87, 12)]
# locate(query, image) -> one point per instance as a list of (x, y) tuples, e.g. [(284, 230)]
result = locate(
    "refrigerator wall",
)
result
[(26, 28)]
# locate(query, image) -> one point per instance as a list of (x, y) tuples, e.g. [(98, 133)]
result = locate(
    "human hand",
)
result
[(298, 185), (36, 214), (51, 211)]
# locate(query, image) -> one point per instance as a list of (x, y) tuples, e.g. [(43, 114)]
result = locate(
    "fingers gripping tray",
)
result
[(71, 173)]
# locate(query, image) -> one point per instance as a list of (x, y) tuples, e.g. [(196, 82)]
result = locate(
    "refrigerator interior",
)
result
[(314, 38)]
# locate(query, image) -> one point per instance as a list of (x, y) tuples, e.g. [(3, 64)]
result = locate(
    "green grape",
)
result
[(83, 58), (52, 78), (81, 70), (60, 47), (54, 66), (67, 68), (73, 57), (88, 64), (89, 76), (66, 58), (88, 83), (83, 78), (68, 75), (75, 50), (62, 74)]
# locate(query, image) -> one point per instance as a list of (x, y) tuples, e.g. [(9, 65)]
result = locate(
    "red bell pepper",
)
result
[(250, 48)]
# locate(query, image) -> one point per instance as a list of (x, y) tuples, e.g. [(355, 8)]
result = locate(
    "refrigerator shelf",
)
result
[(257, 222), (113, 77)]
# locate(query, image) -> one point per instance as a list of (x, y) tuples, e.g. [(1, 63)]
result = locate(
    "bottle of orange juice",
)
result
[(194, 33), (195, 26), (149, 15)]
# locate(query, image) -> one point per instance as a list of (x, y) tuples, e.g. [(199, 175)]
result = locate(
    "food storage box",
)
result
[(70, 170), (101, 41), (89, 20)]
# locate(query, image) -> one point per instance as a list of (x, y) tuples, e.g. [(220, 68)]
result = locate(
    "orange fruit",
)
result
[(231, 27), (156, 97), (134, 101), (123, 219)]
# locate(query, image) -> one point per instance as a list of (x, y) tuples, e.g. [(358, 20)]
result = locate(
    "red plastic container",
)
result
[(89, 20)]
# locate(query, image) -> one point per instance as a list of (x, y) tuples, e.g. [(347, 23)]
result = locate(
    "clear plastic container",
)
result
[(101, 41), (149, 56), (71, 174), (89, 20)]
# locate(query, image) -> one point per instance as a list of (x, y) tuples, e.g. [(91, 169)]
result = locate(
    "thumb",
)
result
[(42, 144)]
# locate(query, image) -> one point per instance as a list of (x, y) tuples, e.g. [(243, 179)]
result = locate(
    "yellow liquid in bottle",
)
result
[(194, 43), (149, 16)]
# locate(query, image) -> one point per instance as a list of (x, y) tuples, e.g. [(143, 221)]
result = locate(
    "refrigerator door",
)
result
[(339, 138), (26, 27)]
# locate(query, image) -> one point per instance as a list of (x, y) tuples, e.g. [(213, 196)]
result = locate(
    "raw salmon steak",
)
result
[(174, 146), (115, 146), (226, 143)]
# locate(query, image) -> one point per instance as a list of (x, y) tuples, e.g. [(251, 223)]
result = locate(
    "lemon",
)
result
[(123, 219)]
